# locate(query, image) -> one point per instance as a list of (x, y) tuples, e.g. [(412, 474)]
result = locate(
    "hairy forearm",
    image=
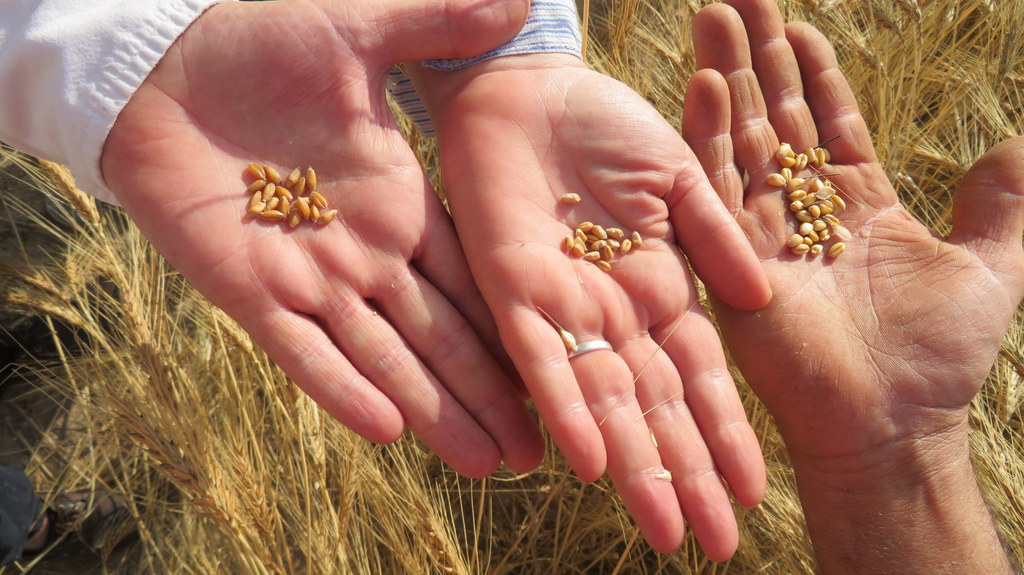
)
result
[(912, 508)]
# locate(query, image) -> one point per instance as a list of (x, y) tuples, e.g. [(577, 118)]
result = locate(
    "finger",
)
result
[(777, 72), (988, 209), (381, 355), (829, 97), (714, 242), (299, 346), (411, 30), (540, 356), (706, 125), (634, 464), (451, 350), (664, 399), (721, 43), (711, 396)]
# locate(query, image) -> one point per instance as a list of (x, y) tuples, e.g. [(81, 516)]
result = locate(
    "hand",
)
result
[(375, 315), (889, 342), (516, 134)]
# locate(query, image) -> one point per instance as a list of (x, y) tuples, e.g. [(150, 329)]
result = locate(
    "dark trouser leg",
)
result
[(19, 510)]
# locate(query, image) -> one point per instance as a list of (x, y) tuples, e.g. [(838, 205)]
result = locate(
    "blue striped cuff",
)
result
[(551, 27)]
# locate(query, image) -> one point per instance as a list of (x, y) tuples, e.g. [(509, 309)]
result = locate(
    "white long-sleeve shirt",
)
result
[(68, 68)]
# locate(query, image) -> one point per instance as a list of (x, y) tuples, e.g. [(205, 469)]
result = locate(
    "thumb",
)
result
[(411, 30), (988, 209)]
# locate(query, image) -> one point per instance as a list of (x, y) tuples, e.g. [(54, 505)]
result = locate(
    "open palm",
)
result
[(855, 352), (375, 315), (517, 134)]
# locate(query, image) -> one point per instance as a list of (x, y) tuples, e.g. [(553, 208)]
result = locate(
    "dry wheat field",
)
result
[(228, 468)]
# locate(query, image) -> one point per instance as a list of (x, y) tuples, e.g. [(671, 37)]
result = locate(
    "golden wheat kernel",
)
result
[(803, 216), (776, 180), (626, 246), (319, 200), (256, 205), (256, 186), (598, 244), (257, 171), (801, 162), (808, 241), (836, 249), (838, 202), (579, 250), (816, 250), (794, 184), (841, 232), (585, 226), (293, 176), (272, 174), (615, 233), (272, 215), (613, 244), (636, 239), (786, 173), (605, 265), (570, 198), (794, 240), (785, 151), (818, 225), (787, 162), (814, 211), (300, 186), (314, 213), (607, 252), (806, 228), (814, 185), (824, 235), (796, 206), (825, 155), (310, 179), (272, 203), (327, 217), (284, 193), (592, 256), (303, 204), (796, 195), (568, 242), (269, 191), (826, 207), (824, 192), (599, 232), (294, 218), (801, 249), (284, 205)]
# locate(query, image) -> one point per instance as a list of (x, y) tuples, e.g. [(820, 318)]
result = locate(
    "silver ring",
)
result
[(591, 346)]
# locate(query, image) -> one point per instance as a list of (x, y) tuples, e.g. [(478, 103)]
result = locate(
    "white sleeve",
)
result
[(68, 68)]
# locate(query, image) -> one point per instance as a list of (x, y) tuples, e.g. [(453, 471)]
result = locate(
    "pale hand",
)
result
[(375, 315), (889, 342), (518, 133)]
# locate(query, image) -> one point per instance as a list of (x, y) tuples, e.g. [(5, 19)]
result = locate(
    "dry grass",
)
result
[(229, 469)]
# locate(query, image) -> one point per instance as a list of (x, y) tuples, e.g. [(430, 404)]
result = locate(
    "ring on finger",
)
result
[(590, 346)]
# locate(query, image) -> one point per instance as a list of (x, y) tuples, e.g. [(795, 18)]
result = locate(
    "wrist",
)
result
[(911, 506), (437, 88)]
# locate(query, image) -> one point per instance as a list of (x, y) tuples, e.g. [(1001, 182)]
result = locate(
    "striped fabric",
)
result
[(552, 26)]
